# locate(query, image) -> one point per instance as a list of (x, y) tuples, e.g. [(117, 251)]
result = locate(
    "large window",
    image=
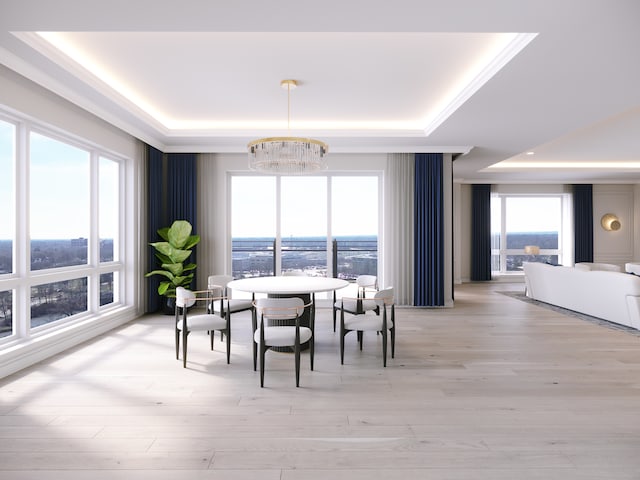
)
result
[(520, 221), (323, 225), (59, 259), (7, 195)]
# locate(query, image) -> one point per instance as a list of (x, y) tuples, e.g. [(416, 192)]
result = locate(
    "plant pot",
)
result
[(168, 305)]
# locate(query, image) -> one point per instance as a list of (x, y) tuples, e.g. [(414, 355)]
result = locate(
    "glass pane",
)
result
[(304, 225), (253, 225), (533, 221), (60, 202), (354, 216), (7, 225), (514, 262), (54, 301), (6, 313), (106, 289), (109, 208)]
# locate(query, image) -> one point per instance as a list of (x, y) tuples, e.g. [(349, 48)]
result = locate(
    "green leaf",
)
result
[(164, 273), (175, 268), (189, 266), (179, 233), (163, 232), (192, 242), (163, 287), (174, 255)]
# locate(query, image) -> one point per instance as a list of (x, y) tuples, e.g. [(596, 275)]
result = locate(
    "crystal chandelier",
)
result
[(287, 155)]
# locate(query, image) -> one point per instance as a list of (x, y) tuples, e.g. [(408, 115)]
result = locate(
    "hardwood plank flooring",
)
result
[(493, 388)]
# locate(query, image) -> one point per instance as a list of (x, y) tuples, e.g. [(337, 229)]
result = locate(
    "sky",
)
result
[(304, 206), (59, 189), (529, 214)]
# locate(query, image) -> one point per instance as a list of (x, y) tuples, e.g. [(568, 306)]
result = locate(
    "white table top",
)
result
[(287, 284)]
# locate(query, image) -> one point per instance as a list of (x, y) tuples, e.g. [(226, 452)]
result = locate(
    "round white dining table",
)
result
[(293, 286), (287, 285)]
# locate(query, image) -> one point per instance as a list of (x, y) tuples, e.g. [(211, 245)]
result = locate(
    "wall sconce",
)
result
[(610, 222), (532, 250)]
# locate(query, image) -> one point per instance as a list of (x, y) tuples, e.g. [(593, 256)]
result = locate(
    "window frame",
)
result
[(22, 279), (329, 185), (564, 251)]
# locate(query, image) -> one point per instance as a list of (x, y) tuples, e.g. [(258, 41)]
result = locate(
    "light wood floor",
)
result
[(494, 389)]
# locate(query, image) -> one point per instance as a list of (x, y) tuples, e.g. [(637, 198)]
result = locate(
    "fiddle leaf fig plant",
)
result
[(172, 253)]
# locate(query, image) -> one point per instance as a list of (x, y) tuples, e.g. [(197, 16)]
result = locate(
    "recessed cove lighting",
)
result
[(514, 164)]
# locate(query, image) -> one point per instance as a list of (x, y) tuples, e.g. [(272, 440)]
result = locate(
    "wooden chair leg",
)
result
[(228, 344)]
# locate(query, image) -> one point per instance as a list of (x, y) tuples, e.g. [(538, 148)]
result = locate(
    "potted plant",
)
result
[(172, 253)]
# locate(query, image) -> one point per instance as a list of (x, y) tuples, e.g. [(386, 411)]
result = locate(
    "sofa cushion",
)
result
[(608, 267), (632, 268)]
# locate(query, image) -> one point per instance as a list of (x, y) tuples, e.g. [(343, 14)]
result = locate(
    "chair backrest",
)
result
[(185, 297), (384, 297), (294, 273), (366, 282), (218, 283), (289, 307)]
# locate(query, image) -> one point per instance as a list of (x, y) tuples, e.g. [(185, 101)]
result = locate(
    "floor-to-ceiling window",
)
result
[(324, 225), (527, 228), (60, 236)]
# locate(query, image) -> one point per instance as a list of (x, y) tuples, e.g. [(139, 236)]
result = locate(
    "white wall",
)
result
[(615, 247)]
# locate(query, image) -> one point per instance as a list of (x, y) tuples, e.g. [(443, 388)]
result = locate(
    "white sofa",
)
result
[(606, 294)]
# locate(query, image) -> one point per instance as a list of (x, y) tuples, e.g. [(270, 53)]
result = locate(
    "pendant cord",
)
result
[(288, 109)]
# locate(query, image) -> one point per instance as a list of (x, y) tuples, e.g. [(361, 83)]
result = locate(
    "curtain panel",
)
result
[(172, 195), (155, 221), (429, 230), (480, 232), (583, 223), (398, 225)]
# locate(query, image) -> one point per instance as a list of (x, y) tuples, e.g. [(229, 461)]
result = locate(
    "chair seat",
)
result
[(351, 305), (366, 322), (236, 305), (282, 336), (204, 322)]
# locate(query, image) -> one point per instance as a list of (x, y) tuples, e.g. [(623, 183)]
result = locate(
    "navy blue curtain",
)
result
[(429, 230), (172, 190), (480, 232), (182, 184), (155, 220), (583, 223)]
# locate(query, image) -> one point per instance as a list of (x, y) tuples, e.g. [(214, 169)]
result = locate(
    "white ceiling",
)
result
[(490, 80)]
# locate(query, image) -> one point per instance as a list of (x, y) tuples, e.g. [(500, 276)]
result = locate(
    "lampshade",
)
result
[(287, 155), (532, 249), (610, 222)]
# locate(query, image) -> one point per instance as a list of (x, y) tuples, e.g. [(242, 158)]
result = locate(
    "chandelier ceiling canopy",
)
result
[(287, 155)]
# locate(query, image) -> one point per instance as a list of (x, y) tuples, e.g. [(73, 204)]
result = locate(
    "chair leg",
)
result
[(185, 333), (228, 344), (384, 347), (262, 355), (177, 344), (334, 319), (393, 341), (255, 356), (360, 335), (342, 334), (212, 335), (297, 355), (311, 347)]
